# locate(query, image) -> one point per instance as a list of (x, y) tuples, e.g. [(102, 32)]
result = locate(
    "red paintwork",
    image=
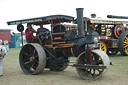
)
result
[(103, 38), (113, 44), (5, 34), (108, 42)]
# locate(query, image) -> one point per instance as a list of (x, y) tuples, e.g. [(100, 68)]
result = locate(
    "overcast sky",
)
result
[(22, 9)]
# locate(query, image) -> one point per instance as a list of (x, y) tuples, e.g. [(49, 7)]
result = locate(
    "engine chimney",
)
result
[(80, 22)]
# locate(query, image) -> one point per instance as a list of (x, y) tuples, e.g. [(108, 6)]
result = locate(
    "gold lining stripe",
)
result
[(72, 52), (61, 46), (64, 53)]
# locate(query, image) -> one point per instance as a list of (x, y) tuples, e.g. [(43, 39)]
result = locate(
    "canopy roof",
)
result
[(106, 21), (43, 20)]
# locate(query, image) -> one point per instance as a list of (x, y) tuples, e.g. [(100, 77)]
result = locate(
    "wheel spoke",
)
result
[(125, 46), (34, 52), (126, 38), (99, 62), (30, 49), (27, 54), (27, 62), (126, 50), (35, 65), (125, 42), (96, 58)]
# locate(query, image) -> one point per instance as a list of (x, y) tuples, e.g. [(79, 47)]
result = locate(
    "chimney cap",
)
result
[(93, 15), (79, 8)]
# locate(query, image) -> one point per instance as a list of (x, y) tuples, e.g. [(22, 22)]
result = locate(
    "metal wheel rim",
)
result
[(117, 30), (126, 44), (32, 60), (103, 47), (93, 74)]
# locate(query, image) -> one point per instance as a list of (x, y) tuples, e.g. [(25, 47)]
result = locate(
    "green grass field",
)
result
[(13, 75)]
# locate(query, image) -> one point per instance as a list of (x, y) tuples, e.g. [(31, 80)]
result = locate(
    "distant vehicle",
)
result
[(53, 49), (112, 34)]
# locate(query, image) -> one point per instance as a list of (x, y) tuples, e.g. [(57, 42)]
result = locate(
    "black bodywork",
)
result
[(61, 43)]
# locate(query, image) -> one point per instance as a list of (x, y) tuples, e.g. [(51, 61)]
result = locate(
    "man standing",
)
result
[(2, 55), (6, 45), (29, 33)]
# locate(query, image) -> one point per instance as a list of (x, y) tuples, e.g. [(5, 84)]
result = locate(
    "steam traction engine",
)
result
[(54, 50), (113, 35)]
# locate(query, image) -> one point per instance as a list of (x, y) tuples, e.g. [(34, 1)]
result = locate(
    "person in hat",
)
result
[(29, 33), (2, 55)]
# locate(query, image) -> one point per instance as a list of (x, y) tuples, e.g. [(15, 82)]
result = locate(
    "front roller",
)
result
[(32, 58), (99, 65)]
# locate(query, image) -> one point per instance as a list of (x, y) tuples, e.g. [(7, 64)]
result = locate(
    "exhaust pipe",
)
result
[(80, 22), (118, 17)]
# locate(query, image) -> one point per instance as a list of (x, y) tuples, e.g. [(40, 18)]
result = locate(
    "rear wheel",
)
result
[(32, 58), (118, 30), (98, 58), (123, 43)]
